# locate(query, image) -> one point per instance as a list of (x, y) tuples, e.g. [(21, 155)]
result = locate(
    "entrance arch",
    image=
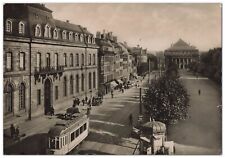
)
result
[(47, 95)]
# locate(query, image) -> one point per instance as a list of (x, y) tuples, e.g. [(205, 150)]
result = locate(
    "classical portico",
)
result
[(181, 53)]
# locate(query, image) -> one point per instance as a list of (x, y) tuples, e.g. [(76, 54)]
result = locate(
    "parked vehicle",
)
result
[(67, 135)]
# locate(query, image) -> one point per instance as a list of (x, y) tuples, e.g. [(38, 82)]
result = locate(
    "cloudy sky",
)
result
[(153, 26)]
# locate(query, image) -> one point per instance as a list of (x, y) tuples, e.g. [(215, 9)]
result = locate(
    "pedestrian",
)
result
[(199, 92), (112, 93), (83, 101), (17, 132), (131, 119), (12, 131), (78, 101)]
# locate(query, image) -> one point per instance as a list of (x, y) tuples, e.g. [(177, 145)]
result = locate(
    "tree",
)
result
[(166, 99)]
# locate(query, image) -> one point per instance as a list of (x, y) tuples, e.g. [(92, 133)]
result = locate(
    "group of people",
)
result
[(14, 131)]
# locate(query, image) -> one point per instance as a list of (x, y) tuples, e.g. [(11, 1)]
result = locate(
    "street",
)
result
[(202, 132), (109, 124)]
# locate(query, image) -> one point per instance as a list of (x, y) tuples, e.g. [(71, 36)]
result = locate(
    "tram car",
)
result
[(66, 135)]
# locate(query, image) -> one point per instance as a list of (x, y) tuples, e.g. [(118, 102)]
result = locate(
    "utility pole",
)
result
[(149, 63), (140, 107)]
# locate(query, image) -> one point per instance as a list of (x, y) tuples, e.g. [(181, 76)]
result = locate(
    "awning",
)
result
[(113, 84)]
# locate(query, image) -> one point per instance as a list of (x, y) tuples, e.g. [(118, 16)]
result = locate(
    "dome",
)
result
[(154, 127)]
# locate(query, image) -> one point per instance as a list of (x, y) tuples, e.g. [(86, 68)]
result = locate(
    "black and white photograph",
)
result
[(112, 78)]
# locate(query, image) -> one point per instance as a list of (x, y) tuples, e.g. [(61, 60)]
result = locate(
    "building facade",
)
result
[(47, 61), (181, 53)]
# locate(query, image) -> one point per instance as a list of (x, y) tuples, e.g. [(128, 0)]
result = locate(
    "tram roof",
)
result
[(62, 126)]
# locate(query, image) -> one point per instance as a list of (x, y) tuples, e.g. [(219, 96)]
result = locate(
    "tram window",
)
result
[(85, 126), (60, 143), (77, 132), (81, 129), (72, 136), (57, 142), (52, 143)]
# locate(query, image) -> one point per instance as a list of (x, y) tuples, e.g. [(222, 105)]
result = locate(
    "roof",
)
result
[(39, 6), (70, 27), (181, 45), (62, 125), (154, 127)]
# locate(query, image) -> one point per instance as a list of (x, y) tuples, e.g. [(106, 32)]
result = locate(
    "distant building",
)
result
[(181, 53), (160, 60), (47, 62)]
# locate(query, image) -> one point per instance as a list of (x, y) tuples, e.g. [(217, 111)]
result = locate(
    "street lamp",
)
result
[(149, 64)]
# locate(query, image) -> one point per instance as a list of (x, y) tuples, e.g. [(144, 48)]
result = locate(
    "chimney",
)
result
[(98, 34), (67, 21), (114, 38)]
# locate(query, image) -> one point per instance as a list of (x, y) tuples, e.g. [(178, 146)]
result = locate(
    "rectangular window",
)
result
[(85, 126), (9, 61), (38, 97), (71, 60), (77, 132), (94, 59), (38, 60), (22, 61), (77, 61), (82, 59), (65, 62), (56, 93), (89, 80), (89, 59), (72, 135), (47, 60), (77, 83), (81, 129), (94, 80)]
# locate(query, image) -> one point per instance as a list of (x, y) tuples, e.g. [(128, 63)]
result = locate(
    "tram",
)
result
[(66, 135)]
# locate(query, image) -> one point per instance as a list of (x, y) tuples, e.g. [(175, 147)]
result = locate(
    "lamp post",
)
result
[(149, 66)]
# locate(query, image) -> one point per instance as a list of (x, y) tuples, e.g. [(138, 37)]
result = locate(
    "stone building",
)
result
[(47, 61), (181, 53)]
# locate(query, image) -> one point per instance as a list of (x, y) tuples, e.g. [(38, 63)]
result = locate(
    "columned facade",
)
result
[(181, 54)]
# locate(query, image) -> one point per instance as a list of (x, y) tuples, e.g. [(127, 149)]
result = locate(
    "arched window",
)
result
[(55, 33), (71, 36), (89, 39), (38, 30), (64, 60), (82, 82), (64, 35), (22, 94), (76, 37), (21, 27), (77, 83), (9, 61), (71, 84), (56, 62), (89, 80), (94, 80), (71, 60), (82, 59), (9, 99), (8, 25), (65, 86), (93, 40), (47, 31), (81, 37)]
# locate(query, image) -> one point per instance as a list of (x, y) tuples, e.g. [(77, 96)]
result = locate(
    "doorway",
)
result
[(47, 95)]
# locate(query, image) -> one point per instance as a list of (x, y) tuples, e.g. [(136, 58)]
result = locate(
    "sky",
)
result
[(152, 26)]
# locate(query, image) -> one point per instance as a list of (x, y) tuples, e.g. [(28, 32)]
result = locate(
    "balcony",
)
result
[(43, 72)]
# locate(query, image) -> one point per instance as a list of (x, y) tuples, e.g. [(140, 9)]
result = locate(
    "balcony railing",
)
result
[(50, 70), (43, 72)]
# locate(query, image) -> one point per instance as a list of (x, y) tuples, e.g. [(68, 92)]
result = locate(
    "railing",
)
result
[(49, 70)]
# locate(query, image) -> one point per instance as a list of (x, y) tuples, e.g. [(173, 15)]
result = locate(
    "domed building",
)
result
[(181, 53)]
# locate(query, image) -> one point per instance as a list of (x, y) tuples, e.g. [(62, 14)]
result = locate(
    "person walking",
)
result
[(130, 119), (199, 92), (17, 132), (112, 93), (12, 131), (83, 101)]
